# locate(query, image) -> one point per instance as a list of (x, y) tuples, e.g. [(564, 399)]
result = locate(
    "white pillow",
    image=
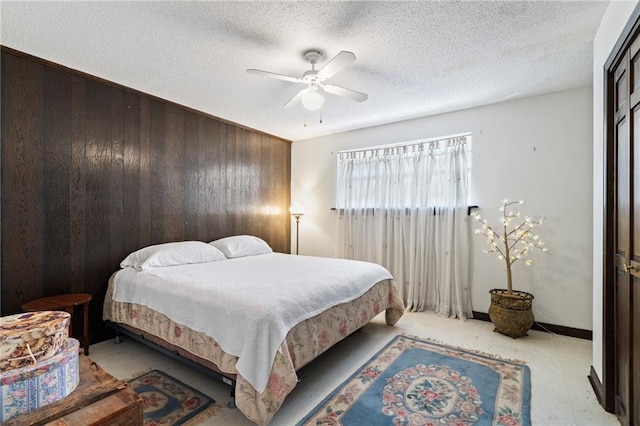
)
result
[(171, 254), (241, 245)]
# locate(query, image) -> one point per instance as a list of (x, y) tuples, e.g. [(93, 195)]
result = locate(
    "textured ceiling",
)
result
[(413, 58)]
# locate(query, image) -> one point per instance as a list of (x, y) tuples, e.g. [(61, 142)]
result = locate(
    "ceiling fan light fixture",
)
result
[(312, 99)]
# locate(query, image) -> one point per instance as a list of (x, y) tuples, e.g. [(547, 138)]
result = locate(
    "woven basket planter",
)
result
[(512, 315)]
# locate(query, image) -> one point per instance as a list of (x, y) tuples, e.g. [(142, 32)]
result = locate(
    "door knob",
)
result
[(628, 268)]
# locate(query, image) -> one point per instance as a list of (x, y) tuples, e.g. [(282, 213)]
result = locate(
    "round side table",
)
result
[(65, 302)]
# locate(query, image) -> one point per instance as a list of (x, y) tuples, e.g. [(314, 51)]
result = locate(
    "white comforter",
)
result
[(249, 304)]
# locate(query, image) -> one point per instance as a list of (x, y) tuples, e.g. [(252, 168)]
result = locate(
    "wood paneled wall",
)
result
[(92, 171)]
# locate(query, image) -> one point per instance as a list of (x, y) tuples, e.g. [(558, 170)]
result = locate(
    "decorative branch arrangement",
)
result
[(517, 239)]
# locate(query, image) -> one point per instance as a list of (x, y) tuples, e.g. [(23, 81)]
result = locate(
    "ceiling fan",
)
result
[(311, 97)]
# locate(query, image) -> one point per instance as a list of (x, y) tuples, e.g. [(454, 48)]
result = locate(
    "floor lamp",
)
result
[(297, 215)]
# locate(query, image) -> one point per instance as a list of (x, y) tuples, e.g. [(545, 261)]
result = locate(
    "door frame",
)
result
[(607, 392)]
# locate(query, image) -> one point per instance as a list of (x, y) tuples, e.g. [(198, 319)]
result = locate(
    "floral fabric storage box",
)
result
[(31, 337), (27, 388)]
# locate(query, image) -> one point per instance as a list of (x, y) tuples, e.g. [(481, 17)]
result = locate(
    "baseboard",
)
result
[(540, 326), (596, 385)]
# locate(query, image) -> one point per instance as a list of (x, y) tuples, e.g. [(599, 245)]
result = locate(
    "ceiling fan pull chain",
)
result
[(320, 116)]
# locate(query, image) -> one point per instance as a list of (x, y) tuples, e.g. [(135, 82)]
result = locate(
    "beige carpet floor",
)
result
[(561, 393)]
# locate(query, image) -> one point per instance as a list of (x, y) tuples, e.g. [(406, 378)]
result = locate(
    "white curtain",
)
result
[(405, 208)]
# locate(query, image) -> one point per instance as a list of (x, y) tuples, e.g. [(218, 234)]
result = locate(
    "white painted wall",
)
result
[(611, 26), (538, 149)]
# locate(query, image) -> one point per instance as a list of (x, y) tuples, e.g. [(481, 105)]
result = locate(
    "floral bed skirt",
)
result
[(304, 342)]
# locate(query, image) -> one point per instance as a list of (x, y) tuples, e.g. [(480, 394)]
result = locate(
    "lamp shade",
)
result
[(297, 210), (312, 99)]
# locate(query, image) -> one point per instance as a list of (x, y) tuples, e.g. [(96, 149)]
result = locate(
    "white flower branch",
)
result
[(516, 241)]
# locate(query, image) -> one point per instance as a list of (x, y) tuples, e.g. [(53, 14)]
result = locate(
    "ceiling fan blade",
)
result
[(274, 75), (346, 93), (295, 99), (338, 62)]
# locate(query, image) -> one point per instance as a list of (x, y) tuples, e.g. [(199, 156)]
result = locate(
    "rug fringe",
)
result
[(138, 374), (205, 415), (473, 351)]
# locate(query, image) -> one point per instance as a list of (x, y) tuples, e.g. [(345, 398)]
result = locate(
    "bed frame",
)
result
[(259, 408), (226, 379)]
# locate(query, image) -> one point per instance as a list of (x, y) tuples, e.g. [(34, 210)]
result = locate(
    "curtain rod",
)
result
[(469, 208), (409, 143)]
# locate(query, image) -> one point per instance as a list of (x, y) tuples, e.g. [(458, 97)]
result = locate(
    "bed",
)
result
[(245, 312)]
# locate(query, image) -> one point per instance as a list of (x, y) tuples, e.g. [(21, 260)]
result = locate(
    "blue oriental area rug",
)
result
[(168, 401), (412, 381)]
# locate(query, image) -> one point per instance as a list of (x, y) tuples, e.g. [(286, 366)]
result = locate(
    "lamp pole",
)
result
[(297, 217)]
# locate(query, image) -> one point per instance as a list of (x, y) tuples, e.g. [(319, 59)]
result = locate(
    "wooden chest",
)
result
[(99, 399)]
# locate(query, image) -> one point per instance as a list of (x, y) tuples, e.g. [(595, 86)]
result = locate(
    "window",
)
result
[(403, 176), (405, 207)]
